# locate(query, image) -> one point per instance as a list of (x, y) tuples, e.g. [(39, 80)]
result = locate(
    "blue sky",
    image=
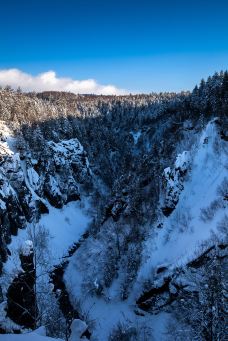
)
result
[(138, 45)]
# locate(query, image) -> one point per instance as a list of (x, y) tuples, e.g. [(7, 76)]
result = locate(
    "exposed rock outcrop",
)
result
[(28, 184), (21, 296), (170, 286)]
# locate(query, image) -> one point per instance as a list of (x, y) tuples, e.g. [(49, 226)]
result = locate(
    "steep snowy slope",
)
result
[(188, 227), (175, 242)]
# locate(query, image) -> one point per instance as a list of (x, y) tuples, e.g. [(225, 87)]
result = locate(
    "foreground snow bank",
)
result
[(37, 335), (78, 327)]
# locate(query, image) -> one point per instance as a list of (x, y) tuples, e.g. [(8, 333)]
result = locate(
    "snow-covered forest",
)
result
[(114, 215)]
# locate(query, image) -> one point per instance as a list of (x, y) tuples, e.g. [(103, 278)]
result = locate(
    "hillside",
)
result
[(114, 212)]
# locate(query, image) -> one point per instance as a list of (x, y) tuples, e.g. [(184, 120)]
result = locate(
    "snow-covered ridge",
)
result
[(185, 229)]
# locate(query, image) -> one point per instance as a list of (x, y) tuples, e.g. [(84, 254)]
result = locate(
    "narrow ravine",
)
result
[(63, 225), (59, 287)]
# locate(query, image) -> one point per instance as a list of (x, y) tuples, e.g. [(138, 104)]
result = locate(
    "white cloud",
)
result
[(48, 81)]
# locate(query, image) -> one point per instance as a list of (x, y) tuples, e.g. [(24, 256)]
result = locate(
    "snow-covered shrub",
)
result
[(177, 331), (223, 189), (131, 263), (52, 318), (123, 332), (208, 213), (105, 248), (223, 226), (129, 331)]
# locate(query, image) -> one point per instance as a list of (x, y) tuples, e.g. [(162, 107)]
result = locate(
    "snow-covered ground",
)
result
[(77, 328), (37, 335), (176, 243), (65, 225), (106, 314), (26, 337), (184, 230)]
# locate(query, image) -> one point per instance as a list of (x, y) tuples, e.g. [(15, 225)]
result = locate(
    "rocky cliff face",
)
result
[(27, 184), (21, 296)]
